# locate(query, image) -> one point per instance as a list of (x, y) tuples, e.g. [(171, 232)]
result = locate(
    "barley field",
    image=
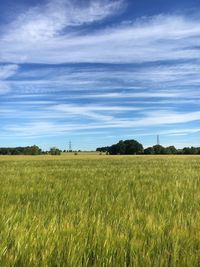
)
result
[(92, 210)]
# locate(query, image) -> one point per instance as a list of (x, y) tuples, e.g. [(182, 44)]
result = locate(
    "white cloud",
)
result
[(165, 81), (186, 73), (147, 119), (4, 88), (44, 22), (159, 38), (7, 71), (56, 33)]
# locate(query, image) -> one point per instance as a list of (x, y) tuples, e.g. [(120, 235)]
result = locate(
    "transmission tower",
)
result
[(70, 146), (158, 140)]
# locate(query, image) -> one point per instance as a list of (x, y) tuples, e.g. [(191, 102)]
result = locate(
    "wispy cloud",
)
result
[(148, 119), (142, 41), (7, 71), (65, 69), (44, 22)]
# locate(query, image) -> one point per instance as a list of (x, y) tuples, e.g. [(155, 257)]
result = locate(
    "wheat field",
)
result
[(92, 210)]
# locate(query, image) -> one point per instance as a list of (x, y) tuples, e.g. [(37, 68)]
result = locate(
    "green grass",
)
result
[(91, 210)]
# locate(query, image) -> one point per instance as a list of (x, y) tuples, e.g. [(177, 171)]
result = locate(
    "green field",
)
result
[(92, 210)]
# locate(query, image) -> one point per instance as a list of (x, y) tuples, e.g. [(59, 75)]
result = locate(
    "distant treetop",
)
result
[(127, 147), (130, 147)]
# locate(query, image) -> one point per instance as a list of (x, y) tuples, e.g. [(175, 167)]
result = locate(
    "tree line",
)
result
[(127, 147), (131, 147), (28, 150)]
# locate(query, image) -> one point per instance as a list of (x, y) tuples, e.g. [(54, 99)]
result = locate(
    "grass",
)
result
[(91, 210)]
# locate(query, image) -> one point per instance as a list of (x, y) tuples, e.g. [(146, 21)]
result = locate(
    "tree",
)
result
[(158, 149), (113, 150), (29, 150), (133, 147), (35, 150), (127, 147), (149, 151), (102, 149), (121, 147), (55, 151), (171, 150), (190, 150)]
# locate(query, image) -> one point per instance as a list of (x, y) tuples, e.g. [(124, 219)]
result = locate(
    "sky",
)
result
[(96, 72)]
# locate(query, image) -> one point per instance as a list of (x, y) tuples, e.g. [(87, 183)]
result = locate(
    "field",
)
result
[(92, 210)]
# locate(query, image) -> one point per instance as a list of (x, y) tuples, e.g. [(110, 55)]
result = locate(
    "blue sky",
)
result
[(95, 72)]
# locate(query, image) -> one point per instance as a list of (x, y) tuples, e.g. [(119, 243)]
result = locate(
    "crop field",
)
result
[(92, 210)]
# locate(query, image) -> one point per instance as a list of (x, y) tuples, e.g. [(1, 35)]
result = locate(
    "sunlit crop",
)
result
[(100, 211)]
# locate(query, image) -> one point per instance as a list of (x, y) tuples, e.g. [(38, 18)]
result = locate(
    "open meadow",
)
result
[(92, 210)]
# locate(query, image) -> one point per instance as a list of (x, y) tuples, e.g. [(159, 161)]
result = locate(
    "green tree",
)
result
[(158, 149), (127, 147), (149, 151), (171, 150), (55, 151)]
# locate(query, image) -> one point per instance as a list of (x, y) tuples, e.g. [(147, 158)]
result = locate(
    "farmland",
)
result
[(92, 210)]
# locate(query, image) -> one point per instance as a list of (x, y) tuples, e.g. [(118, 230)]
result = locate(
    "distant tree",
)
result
[(35, 150), (194, 150), (186, 150), (103, 149), (113, 150), (127, 147), (29, 150), (149, 151), (171, 150), (122, 147), (133, 147), (55, 151), (158, 149), (190, 150)]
